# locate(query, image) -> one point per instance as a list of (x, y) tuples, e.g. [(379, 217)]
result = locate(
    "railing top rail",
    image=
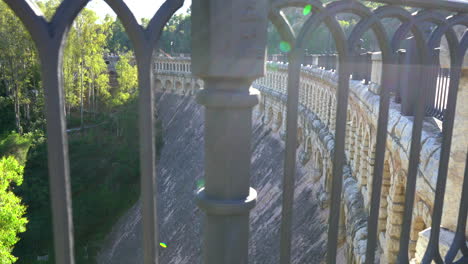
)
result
[(460, 6)]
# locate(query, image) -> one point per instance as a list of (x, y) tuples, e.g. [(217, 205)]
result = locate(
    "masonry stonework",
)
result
[(316, 121)]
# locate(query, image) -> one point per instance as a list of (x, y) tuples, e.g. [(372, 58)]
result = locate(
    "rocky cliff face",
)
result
[(179, 168)]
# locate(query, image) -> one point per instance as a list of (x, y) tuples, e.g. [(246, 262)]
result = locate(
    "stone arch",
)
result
[(329, 179), (158, 85), (308, 145), (333, 114), (278, 121), (178, 87), (396, 200), (329, 110), (364, 158), (386, 178), (261, 106), (319, 164), (168, 85), (300, 135), (352, 138), (306, 154), (188, 88), (342, 227), (417, 226), (270, 115), (322, 105), (420, 221), (358, 150), (348, 129), (370, 166)]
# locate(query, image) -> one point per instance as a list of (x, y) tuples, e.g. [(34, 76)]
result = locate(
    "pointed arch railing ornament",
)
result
[(49, 37), (229, 101), (371, 20)]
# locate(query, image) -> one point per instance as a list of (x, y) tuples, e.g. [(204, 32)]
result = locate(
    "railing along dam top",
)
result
[(228, 53)]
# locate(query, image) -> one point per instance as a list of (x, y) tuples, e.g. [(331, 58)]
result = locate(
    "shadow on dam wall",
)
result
[(179, 168)]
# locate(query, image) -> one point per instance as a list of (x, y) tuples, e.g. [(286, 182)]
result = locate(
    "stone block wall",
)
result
[(316, 128)]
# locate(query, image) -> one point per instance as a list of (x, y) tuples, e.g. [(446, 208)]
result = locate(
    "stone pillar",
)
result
[(228, 44), (395, 210), (314, 98), (364, 165), (333, 116), (370, 171), (322, 105), (352, 146), (383, 214), (357, 153)]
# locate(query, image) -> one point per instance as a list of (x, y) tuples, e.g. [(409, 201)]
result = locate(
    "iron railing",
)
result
[(229, 104), (438, 95)]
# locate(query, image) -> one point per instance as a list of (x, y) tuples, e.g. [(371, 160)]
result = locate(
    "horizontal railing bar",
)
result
[(449, 5)]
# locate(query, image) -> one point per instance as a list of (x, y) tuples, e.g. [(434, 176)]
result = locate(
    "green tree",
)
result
[(117, 39), (12, 211), (18, 66), (176, 35), (85, 70), (127, 79)]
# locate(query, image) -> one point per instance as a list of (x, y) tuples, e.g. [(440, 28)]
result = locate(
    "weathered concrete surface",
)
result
[(181, 165), (316, 125)]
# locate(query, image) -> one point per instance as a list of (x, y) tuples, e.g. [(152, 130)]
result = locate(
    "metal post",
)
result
[(411, 71), (228, 43), (398, 74)]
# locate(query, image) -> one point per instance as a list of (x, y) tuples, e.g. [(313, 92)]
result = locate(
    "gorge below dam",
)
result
[(180, 221)]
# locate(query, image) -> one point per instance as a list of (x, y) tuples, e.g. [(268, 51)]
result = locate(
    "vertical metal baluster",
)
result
[(446, 87), (294, 73), (49, 42), (438, 87), (413, 168), (459, 242), (338, 158), (148, 157), (432, 252), (57, 152), (389, 66), (430, 106), (441, 91)]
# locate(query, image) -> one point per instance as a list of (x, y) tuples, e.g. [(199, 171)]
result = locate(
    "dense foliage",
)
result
[(12, 210), (103, 149), (19, 73), (104, 167), (104, 157)]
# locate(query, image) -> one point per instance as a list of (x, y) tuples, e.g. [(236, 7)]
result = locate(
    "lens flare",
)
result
[(163, 245), (307, 9), (285, 46), (200, 183)]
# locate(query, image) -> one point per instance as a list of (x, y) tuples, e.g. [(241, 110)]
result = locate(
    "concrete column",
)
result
[(228, 44), (376, 72)]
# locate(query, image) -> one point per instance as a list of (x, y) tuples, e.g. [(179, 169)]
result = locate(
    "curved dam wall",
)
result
[(317, 104), (181, 166)]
